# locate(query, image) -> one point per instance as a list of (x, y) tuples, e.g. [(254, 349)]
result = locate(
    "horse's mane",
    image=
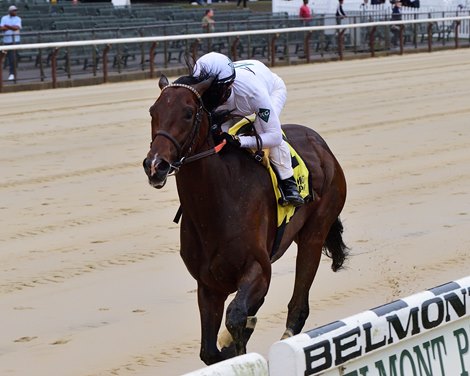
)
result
[(212, 96)]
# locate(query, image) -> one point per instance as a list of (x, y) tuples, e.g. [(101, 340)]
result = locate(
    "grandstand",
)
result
[(46, 22), (69, 21)]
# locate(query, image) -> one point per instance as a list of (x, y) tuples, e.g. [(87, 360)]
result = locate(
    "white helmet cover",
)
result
[(215, 64)]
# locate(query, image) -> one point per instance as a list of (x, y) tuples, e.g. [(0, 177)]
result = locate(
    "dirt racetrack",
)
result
[(91, 282)]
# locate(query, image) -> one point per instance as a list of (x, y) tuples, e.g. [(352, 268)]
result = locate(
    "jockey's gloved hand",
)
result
[(221, 116), (232, 140)]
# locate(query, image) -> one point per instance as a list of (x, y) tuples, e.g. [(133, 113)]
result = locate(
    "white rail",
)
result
[(224, 34)]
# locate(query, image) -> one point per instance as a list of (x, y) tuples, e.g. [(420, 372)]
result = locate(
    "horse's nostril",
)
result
[(163, 166), (146, 164)]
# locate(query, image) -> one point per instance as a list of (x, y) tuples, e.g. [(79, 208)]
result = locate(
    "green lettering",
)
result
[(392, 367), (437, 342), (463, 347), (421, 362), (406, 354), (362, 372)]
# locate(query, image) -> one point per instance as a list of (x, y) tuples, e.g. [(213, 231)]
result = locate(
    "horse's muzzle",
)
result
[(157, 171)]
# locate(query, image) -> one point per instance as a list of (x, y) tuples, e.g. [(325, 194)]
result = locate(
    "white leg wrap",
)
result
[(288, 333), (225, 338)]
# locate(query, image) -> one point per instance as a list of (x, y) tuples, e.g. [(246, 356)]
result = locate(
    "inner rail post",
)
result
[(105, 62), (372, 40), (54, 67), (152, 59), (2, 56), (341, 43), (308, 35)]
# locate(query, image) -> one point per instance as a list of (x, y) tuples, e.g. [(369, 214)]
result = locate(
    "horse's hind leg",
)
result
[(310, 242), (252, 289), (211, 309)]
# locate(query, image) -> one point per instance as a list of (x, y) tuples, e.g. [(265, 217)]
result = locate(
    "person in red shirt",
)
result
[(305, 13)]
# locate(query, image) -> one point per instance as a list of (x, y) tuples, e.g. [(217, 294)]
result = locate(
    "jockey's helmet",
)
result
[(215, 64)]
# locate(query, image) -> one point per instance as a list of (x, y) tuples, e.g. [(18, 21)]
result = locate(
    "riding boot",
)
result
[(291, 192)]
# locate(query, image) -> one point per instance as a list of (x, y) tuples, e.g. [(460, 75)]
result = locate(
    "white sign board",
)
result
[(424, 334)]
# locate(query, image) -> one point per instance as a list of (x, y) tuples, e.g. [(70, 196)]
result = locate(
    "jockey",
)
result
[(251, 88)]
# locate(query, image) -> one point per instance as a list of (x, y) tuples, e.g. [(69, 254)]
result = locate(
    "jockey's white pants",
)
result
[(270, 133), (280, 155)]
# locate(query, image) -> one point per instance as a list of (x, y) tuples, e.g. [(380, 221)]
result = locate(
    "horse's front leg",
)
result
[(252, 289), (211, 309)]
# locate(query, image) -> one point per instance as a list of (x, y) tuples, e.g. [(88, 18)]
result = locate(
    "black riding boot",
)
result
[(291, 192)]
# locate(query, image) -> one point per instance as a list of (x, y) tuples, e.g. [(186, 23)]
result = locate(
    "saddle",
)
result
[(301, 173)]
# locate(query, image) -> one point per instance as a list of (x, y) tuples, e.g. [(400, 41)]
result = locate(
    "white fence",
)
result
[(329, 6), (361, 36), (357, 13), (424, 334), (167, 38)]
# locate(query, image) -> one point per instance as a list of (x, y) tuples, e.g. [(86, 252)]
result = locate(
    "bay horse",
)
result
[(228, 225)]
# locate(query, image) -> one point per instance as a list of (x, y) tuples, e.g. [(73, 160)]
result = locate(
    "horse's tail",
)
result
[(334, 246)]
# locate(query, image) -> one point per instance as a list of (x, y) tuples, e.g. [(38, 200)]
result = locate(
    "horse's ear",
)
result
[(163, 81), (201, 87)]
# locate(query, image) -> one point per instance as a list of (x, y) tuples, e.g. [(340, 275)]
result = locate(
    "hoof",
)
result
[(288, 333), (229, 351), (213, 358)]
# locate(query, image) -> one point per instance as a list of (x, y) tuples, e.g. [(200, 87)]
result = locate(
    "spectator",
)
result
[(305, 13), (364, 7), (11, 25), (208, 22), (340, 14), (365, 17), (396, 16), (244, 3)]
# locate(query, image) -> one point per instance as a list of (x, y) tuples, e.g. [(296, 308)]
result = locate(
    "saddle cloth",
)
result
[(301, 175)]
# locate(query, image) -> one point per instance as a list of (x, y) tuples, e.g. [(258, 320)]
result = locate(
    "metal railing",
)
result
[(276, 39)]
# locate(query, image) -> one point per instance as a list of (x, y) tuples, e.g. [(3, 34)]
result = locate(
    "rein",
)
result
[(192, 136)]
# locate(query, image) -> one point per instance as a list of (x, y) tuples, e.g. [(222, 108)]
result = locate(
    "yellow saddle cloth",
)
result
[(284, 213)]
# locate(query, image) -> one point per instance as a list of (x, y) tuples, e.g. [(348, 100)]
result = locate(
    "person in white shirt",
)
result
[(251, 88), (11, 25), (340, 14)]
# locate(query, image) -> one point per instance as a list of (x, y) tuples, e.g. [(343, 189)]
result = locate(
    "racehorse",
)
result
[(228, 224)]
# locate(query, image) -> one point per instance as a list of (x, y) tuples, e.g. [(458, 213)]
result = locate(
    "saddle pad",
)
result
[(284, 213)]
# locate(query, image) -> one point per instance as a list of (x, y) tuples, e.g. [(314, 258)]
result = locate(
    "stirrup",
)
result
[(290, 194)]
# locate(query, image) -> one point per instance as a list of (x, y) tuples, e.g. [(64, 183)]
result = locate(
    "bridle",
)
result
[(191, 139)]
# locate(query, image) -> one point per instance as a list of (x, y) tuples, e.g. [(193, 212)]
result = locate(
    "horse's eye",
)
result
[(188, 114)]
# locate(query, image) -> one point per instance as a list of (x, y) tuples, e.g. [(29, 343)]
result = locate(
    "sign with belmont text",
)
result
[(424, 334)]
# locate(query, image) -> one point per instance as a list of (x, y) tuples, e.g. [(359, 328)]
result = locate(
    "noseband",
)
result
[(191, 139)]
